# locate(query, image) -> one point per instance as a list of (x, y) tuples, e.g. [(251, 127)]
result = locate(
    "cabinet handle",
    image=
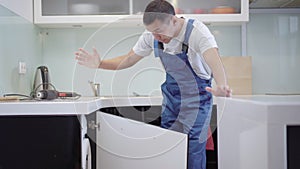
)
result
[(93, 125)]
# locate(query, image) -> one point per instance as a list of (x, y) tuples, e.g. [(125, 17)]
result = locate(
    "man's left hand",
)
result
[(222, 91)]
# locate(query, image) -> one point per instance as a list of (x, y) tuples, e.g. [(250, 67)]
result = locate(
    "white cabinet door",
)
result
[(74, 13), (83, 7), (232, 11), (23, 8), (206, 11), (127, 144)]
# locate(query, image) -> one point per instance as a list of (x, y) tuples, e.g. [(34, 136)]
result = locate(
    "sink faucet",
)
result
[(95, 87)]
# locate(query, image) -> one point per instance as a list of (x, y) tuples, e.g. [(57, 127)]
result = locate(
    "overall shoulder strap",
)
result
[(157, 46), (188, 31)]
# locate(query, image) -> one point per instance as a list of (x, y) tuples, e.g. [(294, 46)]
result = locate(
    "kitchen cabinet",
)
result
[(45, 134), (260, 132), (40, 142), (76, 13), (58, 134), (23, 8)]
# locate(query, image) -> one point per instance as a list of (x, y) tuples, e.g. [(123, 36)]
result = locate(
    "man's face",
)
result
[(162, 31)]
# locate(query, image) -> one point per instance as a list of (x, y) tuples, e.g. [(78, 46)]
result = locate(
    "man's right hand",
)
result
[(86, 59)]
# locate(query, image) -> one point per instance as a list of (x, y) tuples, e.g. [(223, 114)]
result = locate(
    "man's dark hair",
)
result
[(157, 9)]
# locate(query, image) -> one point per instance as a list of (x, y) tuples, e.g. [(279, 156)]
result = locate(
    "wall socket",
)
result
[(22, 68)]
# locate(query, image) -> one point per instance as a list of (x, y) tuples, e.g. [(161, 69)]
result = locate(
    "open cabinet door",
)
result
[(127, 144)]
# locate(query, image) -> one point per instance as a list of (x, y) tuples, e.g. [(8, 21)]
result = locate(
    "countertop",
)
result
[(268, 100), (263, 109), (83, 105), (86, 105)]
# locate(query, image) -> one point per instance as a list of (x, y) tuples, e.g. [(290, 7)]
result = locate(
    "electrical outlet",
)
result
[(22, 68)]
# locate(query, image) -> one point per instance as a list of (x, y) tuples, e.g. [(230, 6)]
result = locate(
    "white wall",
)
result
[(274, 41)]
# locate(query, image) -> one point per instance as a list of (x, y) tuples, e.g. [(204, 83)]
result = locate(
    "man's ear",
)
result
[(174, 20)]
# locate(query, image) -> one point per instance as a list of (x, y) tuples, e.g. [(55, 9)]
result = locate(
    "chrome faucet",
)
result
[(95, 87)]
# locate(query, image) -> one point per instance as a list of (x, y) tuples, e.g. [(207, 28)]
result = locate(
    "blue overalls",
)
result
[(186, 104)]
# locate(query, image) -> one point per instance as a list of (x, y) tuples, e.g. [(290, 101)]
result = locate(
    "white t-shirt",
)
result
[(200, 40)]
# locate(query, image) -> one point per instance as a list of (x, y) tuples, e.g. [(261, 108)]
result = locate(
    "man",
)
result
[(190, 57)]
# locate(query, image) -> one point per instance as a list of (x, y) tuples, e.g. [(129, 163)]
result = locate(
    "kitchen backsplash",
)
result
[(19, 41), (144, 78), (273, 41)]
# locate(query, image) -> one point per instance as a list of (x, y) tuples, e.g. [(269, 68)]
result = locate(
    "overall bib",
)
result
[(186, 104)]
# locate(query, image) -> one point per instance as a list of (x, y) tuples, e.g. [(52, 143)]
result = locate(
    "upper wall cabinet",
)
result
[(84, 13), (22, 8)]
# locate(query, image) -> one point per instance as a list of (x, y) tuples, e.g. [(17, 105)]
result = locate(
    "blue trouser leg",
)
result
[(197, 154), (197, 139), (195, 128), (196, 145)]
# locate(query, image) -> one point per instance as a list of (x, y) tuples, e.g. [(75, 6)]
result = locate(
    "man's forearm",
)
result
[(121, 62), (114, 64), (214, 61)]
